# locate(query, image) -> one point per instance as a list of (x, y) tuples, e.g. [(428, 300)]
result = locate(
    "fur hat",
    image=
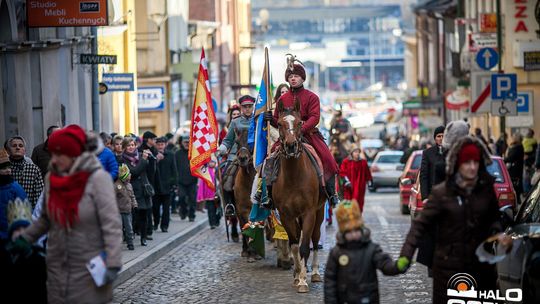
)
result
[(4, 159), (298, 70), (452, 160), (70, 141), (348, 216), (454, 131)]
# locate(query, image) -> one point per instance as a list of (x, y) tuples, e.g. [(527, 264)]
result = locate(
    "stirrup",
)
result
[(230, 210)]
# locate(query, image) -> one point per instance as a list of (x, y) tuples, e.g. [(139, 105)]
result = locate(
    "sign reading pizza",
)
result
[(58, 13)]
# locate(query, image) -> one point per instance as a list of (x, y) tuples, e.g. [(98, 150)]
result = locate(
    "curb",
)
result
[(133, 267)]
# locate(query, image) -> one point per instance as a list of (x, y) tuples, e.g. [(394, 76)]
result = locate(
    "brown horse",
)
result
[(242, 185), (297, 196)]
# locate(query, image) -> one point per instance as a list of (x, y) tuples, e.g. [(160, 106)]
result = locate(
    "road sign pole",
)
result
[(502, 119)]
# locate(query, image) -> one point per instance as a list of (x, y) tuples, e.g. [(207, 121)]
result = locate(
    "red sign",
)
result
[(58, 13), (488, 23), (520, 16)]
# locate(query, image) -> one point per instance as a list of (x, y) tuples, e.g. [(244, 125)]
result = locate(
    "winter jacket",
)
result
[(462, 221), (41, 157), (166, 173), (98, 229), (109, 163), (29, 177), (152, 163), (432, 169), (351, 271), (514, 162), (138, 181), (125, 198), (182, 168)]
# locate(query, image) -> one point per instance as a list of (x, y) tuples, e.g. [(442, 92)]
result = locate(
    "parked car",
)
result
[(503, 188), (521, 267), (385, 170), (407, 179), (371, 147)]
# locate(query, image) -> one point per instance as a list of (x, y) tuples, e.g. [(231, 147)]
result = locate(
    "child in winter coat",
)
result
[(351, 270), (126, 202), (205, 195)]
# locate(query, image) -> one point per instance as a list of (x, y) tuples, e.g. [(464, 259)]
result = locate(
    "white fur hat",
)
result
[(454, 131)]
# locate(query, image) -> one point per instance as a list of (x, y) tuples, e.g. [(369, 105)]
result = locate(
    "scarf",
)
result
[(132, 158), (65, 194), (466, 185)]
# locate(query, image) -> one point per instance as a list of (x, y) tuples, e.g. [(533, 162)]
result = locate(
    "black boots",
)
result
[(268, 202), (330, 186)]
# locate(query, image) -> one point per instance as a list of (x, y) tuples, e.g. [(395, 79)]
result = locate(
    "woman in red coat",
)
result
[(354, 170)]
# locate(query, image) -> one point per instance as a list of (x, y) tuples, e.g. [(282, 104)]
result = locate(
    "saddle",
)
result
[(271, 166)]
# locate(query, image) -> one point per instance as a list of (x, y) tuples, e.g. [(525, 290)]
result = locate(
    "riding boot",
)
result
[(333, 199)]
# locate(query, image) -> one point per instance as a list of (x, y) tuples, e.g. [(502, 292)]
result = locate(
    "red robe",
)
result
[(310, 112), (358, 173)]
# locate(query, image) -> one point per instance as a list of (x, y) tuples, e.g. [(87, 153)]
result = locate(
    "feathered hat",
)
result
[(294, 68)]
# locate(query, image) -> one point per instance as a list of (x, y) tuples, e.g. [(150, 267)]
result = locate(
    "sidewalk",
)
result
[(179, 231)]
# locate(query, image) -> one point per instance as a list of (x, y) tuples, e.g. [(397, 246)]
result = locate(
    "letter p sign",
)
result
[(504, 87)]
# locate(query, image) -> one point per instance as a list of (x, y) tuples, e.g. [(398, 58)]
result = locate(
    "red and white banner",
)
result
[(204, 128)]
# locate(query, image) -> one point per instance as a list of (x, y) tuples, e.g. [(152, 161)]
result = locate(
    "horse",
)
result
[(242, 185), (297, 196)]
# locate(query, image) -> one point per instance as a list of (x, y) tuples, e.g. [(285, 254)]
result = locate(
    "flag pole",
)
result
[(268, 98)]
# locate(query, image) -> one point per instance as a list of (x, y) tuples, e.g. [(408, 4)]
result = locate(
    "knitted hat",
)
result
[(468, 152), (438, 130), (4, 159), (246, 100), (348, 216), (123, 172), (353, 148), (298, 70), (69, 141)]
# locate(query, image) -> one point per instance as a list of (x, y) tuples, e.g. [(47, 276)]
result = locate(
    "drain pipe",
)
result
[(95, 92)]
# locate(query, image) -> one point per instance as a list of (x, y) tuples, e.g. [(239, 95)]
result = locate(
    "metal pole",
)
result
[(95, 92), (502, 124), (371, 55)]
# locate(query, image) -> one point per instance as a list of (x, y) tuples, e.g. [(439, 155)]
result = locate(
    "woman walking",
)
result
[(514, 159), (137, 164), (355, 173), (206, 196), (81, 218)]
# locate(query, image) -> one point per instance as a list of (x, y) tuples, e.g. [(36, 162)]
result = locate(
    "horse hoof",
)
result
[(251, 260), (302, 289), (316, 278), (295, 282), (286, 265), (245, 254)]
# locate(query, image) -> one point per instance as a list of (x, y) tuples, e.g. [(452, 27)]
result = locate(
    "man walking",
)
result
[(187, 183), (41, 155), (165, 180)]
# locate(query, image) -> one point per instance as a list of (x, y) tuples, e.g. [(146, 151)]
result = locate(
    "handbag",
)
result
[(148, 190)]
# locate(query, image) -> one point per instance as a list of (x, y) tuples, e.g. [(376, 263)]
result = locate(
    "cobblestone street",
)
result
[(207, 269)]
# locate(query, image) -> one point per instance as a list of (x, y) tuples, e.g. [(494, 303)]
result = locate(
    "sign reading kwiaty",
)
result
[(119, 81), (151, 98), (97, 59), (57, 13)]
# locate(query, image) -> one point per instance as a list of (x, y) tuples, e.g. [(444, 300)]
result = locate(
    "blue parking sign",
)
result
[(504, 86), (523, 103)]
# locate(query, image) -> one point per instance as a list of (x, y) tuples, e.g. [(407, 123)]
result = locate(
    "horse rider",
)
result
[(229, 147), (340, 124), (310, 113)]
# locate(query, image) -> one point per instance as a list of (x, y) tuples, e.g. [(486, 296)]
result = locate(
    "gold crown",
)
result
[(19, 210), (4, 156), (348, 216)]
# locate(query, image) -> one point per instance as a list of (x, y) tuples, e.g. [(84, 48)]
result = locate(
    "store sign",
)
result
[(151, 98), (119, 82), (488, 23), (58, 13), (97, 59), (531, 61), (479, 41)]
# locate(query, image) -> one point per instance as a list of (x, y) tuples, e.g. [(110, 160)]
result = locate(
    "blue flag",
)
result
[(258, 131)]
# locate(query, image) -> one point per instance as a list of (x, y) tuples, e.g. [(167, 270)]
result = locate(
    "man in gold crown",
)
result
[(351, 269), (15, 214)]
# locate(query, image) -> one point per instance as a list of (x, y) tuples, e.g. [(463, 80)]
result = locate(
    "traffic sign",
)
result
[(525, 103), (503, 86), (487, 58), (503, 108), (480, 92)]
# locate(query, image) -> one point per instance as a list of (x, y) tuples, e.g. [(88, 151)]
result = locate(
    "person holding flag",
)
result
[(204, 128)]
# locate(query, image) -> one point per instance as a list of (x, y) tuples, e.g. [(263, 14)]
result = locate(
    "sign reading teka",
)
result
[(59, 13), (151, 98)]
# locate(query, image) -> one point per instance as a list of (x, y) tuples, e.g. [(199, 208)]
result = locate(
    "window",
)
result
[(389, 159), (417, 161), (495, 170)]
